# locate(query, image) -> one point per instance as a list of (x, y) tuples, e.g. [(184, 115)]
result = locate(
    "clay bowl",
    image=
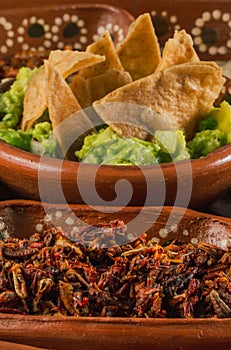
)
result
[(194, 184), (22, 218), (53, 26), (207, 21)]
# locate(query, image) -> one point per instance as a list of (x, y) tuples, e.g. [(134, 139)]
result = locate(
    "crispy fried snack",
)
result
[(175, 98), (177, 50), (70, 123), (140, 51), (66, 62), (93, 83)]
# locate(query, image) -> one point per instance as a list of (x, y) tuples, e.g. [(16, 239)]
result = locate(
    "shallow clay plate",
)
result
[(23, 217)]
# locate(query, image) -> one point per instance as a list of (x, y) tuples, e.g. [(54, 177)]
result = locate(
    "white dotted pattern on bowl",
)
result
[(72, 221), (215, 15), (52, 32), (172, 19), (8, 28), (115, 29), (164, 232)]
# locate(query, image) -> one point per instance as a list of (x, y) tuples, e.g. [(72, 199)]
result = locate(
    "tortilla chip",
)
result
[(68, 62), (81, 90), (139, 52), (35, 99), (103, 84), (93, 83), (94, 88), (179, 97), (65, 62), (177, 50), (70, 124), (104, 47)]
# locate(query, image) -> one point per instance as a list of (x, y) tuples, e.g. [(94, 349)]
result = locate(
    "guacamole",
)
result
[(11, 101), (214, 132), (106, 147)]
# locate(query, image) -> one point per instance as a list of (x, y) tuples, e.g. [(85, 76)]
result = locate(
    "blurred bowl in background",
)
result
[(50, 27), (208, 22)]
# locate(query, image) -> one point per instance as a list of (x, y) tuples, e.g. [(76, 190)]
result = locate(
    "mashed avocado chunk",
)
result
[(172, 145), (107, 147), (11, 101), (205, 142), (43, 142), (17, 138), (222, 116), (215, 132), (37, 140)]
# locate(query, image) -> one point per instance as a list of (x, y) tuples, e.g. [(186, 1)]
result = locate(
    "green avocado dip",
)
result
[(105, 146), (38, 139)]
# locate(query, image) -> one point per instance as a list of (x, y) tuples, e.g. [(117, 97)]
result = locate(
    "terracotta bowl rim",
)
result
[(127, 209), (79, 5), (10, 153), (121, 320)]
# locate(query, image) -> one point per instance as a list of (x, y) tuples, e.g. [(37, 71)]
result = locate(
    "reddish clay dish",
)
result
[(15, 346), (194, 184), (54, 26), (23, 217), (207, 21)]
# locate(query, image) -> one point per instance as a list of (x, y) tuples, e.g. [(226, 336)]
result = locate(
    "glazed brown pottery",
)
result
[(207, 21), (194, 184), (5, 345), (22, 218), (55, 26)]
